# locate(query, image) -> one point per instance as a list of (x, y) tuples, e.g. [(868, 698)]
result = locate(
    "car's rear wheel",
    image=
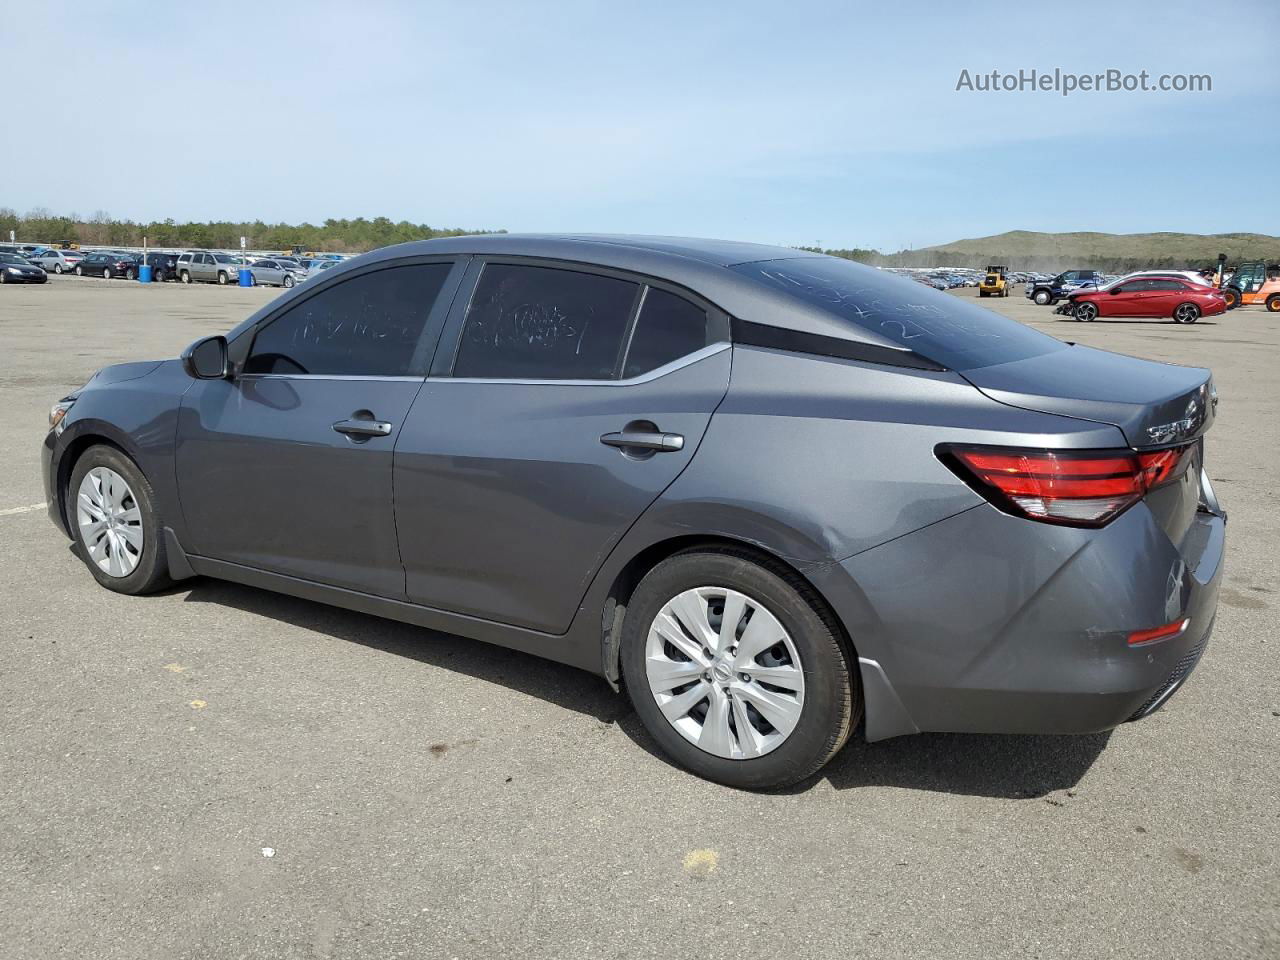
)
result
[(288, 281), (737, 669), (57, 268), (1186, 313), (1273, 303), (1042, 297), (115, 522), (1232, 296), (1086, 311)]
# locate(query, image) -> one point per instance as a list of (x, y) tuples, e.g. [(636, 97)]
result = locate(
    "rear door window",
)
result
[(668, 328), (937, 326), (368, 326), (542, 323)]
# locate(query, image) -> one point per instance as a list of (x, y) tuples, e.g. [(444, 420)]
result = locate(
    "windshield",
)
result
[(939, 326), (12, 258)]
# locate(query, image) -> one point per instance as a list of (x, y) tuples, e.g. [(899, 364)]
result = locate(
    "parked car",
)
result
[(901, 509), (108, 264), (18, 269), (207, 266), (1177, 297), (60, 261), (273, 273), (1051, 291), (164, 266)]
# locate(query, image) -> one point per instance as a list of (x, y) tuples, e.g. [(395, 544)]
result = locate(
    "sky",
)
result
[(829, 124)]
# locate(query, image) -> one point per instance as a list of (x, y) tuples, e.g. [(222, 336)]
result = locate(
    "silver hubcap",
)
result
[(1085, 311), (724, 672), (1186, 314), (110, 522)]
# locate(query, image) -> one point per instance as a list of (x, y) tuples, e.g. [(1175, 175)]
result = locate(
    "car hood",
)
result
[(1152, 403), (119, 372)]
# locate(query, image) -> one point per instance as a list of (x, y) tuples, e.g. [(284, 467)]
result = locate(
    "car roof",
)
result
[(695, 264)]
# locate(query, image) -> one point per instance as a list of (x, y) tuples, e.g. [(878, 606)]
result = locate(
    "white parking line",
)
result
[(11, 511)]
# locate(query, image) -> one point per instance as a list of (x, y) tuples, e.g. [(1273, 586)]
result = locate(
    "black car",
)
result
[(16, 269), (108, 265), (164, 266), (1054, 289)]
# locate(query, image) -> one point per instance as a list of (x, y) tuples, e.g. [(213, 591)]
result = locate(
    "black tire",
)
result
[(832, 696), (185, 276), (288, 281), (79, 270), (1186, 313), (57, 268), (1273, 303), (222, 278), (106, 273), (1042, 297), (152, 571), (158, 276), (130, 274), (1085, 312), (1232, 296), (4, 278)]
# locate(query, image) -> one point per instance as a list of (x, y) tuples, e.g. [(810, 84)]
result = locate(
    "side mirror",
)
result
[(206, 359)]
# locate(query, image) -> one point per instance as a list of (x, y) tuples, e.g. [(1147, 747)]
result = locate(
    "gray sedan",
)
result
[(59, 261), (777, 496), (273, 273)]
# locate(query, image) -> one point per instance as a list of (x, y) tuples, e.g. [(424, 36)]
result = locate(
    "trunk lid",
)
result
[(1153, 404)]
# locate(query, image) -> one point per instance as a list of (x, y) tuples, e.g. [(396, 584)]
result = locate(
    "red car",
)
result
[(1175, 297)]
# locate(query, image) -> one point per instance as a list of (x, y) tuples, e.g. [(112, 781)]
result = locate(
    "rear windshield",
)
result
[(938, 326)]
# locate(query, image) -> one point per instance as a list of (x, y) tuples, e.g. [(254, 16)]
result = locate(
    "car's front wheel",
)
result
[(79, 271), (737, 669), (1086, 311), (222, 278), (185, 277), (129, 273), (1042, 297), (114, 520)]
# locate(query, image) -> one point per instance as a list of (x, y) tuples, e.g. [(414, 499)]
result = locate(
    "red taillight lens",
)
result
[(1084, 488), (1167, 632)]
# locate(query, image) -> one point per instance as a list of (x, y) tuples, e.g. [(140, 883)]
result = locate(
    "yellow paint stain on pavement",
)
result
[(700, 864), (197, 704), (174, 667)]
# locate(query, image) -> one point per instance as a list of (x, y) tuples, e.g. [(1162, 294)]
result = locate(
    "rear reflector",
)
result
[(1167, 632), (1082, 488)]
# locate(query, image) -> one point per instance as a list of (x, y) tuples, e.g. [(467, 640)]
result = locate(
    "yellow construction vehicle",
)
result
[(995, 283)]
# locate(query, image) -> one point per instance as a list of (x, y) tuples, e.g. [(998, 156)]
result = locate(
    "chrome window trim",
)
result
[(325, 376), (689, 358)]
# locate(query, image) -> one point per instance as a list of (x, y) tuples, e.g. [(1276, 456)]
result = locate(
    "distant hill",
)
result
[(1029, 250)]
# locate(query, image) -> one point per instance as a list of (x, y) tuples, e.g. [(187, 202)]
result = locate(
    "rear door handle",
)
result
[(363, 428), (659, 442)]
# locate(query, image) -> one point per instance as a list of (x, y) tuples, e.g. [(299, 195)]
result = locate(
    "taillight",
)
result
[(1080, 488)]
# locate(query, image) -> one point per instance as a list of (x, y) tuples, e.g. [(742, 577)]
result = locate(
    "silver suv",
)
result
[(207, 266)]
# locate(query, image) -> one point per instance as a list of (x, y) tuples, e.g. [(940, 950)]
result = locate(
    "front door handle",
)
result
[(363, 428), (658, 442)]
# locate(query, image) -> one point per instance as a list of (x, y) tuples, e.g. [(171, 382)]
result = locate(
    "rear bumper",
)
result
[(985, 623)]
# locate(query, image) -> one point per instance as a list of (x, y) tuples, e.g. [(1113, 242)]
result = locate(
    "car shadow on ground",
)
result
[(1009, 767)]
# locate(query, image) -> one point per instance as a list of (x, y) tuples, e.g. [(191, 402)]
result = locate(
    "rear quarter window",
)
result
[(938, 326)]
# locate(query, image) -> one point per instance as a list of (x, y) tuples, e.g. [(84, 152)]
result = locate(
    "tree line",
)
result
[(102, 229)]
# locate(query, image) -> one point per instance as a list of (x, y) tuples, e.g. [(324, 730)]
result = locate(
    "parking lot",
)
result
[(218, 771)]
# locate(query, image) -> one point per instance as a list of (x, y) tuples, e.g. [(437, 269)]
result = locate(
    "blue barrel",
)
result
[(246, 277), (144, 273)]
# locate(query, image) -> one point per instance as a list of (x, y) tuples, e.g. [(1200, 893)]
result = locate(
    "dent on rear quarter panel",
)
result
[(817, 459)]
